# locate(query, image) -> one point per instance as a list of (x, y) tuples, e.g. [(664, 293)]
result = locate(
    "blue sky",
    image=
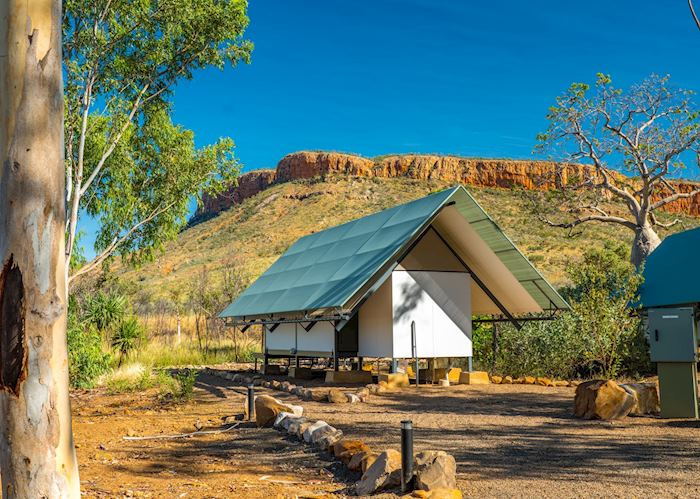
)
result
[(434, 76)]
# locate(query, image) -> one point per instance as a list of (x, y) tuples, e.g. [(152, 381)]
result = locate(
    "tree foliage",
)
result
[(601, 336), (127, 165), (633, 142)]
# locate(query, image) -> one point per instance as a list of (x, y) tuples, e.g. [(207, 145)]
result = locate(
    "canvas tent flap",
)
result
[(334, 268)]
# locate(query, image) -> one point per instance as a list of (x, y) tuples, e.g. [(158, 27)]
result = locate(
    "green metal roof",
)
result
[(326, 269), (672, 272)]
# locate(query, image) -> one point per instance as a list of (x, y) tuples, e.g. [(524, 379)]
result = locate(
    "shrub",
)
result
[(86, 359), (185, 381), (126, 337)]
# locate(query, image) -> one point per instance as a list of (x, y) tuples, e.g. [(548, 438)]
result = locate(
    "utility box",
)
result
[(673, 335), (673, 346)]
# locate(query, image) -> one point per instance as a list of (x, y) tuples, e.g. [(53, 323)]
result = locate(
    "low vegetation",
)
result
[(601, 336)]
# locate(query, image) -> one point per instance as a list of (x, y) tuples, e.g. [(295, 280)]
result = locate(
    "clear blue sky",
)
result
[(434, 76), (458, 77)]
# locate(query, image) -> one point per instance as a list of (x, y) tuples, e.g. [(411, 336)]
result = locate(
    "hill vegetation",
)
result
[(248, 237)]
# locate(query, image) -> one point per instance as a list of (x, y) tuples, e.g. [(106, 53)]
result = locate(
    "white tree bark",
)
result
[(37, 455)]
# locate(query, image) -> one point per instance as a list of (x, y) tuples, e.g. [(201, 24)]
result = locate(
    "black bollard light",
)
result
[(251, 402), (406, 454)]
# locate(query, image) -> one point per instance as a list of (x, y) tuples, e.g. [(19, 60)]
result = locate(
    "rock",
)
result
[(298, 391), (346, 448), (307, 394), (394, 380), (312, 428), (297, 426), (327, 441), (474, 378), (284, 386), (601, 399), (267, 408), (335, 396), (257, 381), (297, 410), (287, 422), (507, 380), (275, 385), (291, 388), (363, 393), (280, 419), (560, 383), (437, 494), (543, 381), (434, 470), (373, 389), (646, 398), (528, 380), (355, 463), (574, 383), (352, 398), (444, 382), (496, 380), (384, 473), (319, 395), (266, 384), (321, 432)]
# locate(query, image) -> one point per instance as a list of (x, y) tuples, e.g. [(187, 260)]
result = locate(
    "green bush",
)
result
[(185, 381), (86, 359), (126, 337), (601, 336)]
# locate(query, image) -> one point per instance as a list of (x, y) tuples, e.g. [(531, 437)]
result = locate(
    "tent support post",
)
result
[(480, 283)]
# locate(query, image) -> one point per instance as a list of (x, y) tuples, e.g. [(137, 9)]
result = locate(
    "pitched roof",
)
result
[(672, 272), (326, 270)]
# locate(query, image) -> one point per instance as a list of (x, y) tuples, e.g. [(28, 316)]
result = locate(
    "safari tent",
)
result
[(355, 290)]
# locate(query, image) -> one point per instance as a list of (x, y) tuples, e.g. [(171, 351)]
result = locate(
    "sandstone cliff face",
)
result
[(468, 171)]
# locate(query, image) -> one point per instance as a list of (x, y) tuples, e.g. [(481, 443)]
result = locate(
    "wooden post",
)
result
[(37, 456)]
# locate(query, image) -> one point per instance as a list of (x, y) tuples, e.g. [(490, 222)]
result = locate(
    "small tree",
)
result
[(646, 133)]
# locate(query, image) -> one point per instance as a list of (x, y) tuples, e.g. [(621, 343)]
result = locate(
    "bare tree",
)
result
[(633, 142), (37, 456), (692, 13)]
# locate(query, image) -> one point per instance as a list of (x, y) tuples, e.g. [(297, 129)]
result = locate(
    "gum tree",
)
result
[(37, 457), (634, 142), (127, 165)]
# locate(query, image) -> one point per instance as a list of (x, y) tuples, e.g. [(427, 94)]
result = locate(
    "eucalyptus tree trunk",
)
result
[(37, 456)]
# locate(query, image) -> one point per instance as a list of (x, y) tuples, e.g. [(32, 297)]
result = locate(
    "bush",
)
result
[(126, 337), (601, 336), (185, 381), (86, 359)]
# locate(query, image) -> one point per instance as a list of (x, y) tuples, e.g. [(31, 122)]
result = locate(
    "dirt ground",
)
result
[(508, 440)]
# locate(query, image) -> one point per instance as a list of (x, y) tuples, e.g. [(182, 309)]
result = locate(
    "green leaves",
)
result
[(138, 172)]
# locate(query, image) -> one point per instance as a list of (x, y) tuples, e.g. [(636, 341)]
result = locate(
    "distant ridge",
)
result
[(500, 173)]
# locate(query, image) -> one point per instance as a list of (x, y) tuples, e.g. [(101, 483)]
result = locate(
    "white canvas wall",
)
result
[(375, 324), (321, 338), (440, 305)]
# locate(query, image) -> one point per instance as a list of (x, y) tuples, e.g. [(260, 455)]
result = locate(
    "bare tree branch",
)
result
[(674, 197)]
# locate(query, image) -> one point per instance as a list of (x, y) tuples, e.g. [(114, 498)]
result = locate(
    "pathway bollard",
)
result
[(251, 402), (406, 454)]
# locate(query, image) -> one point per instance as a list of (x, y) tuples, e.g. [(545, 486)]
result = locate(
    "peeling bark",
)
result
[(37, 456), (645, 241)]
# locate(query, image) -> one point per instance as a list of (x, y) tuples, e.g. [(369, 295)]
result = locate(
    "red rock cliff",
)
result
[(502, 173)]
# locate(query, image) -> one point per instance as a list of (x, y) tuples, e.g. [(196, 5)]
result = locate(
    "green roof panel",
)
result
[(326, 269), (672, 272)]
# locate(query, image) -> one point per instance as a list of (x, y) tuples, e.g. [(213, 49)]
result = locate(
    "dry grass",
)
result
[(253, 234)]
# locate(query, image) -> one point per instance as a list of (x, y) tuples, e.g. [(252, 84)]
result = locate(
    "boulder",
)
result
[(289, 420), (574, 383), (321, 432), (384, 473), (266, 384), (319, 395), (328, 440), (358, 458), (352, 398), (346, 448), (602, 399), (560, 383), (267, 408), (291, 388), (280, 419), (298, 426), (335, 396), (434, 470), (284, 386), (394, 380), (496, 380), (528, 380), (307, 394), (507, 380), (312, 428), (298, 391), (646, 398), (363, 393), (297, 410), (274, 384)]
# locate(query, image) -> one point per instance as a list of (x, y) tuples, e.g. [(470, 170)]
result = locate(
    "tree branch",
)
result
[(88, 267), (590, 218), (674, 197), (692, 11)]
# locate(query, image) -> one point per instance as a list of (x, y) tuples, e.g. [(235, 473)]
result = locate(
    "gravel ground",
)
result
[(522, 441)]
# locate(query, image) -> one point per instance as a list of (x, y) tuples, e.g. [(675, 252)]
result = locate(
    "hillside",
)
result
[(252, 234)]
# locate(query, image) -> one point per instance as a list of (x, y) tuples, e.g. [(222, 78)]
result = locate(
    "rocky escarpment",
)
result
[(503, 173)]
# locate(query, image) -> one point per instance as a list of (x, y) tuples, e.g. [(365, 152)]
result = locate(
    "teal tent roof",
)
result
[(672, 272), (327, 269)]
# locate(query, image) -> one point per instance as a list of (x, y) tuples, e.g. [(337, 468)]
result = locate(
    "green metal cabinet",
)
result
[(673, 346)]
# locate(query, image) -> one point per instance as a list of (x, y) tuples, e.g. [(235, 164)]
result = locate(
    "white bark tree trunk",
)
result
[(37, 455), (645, 241)]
